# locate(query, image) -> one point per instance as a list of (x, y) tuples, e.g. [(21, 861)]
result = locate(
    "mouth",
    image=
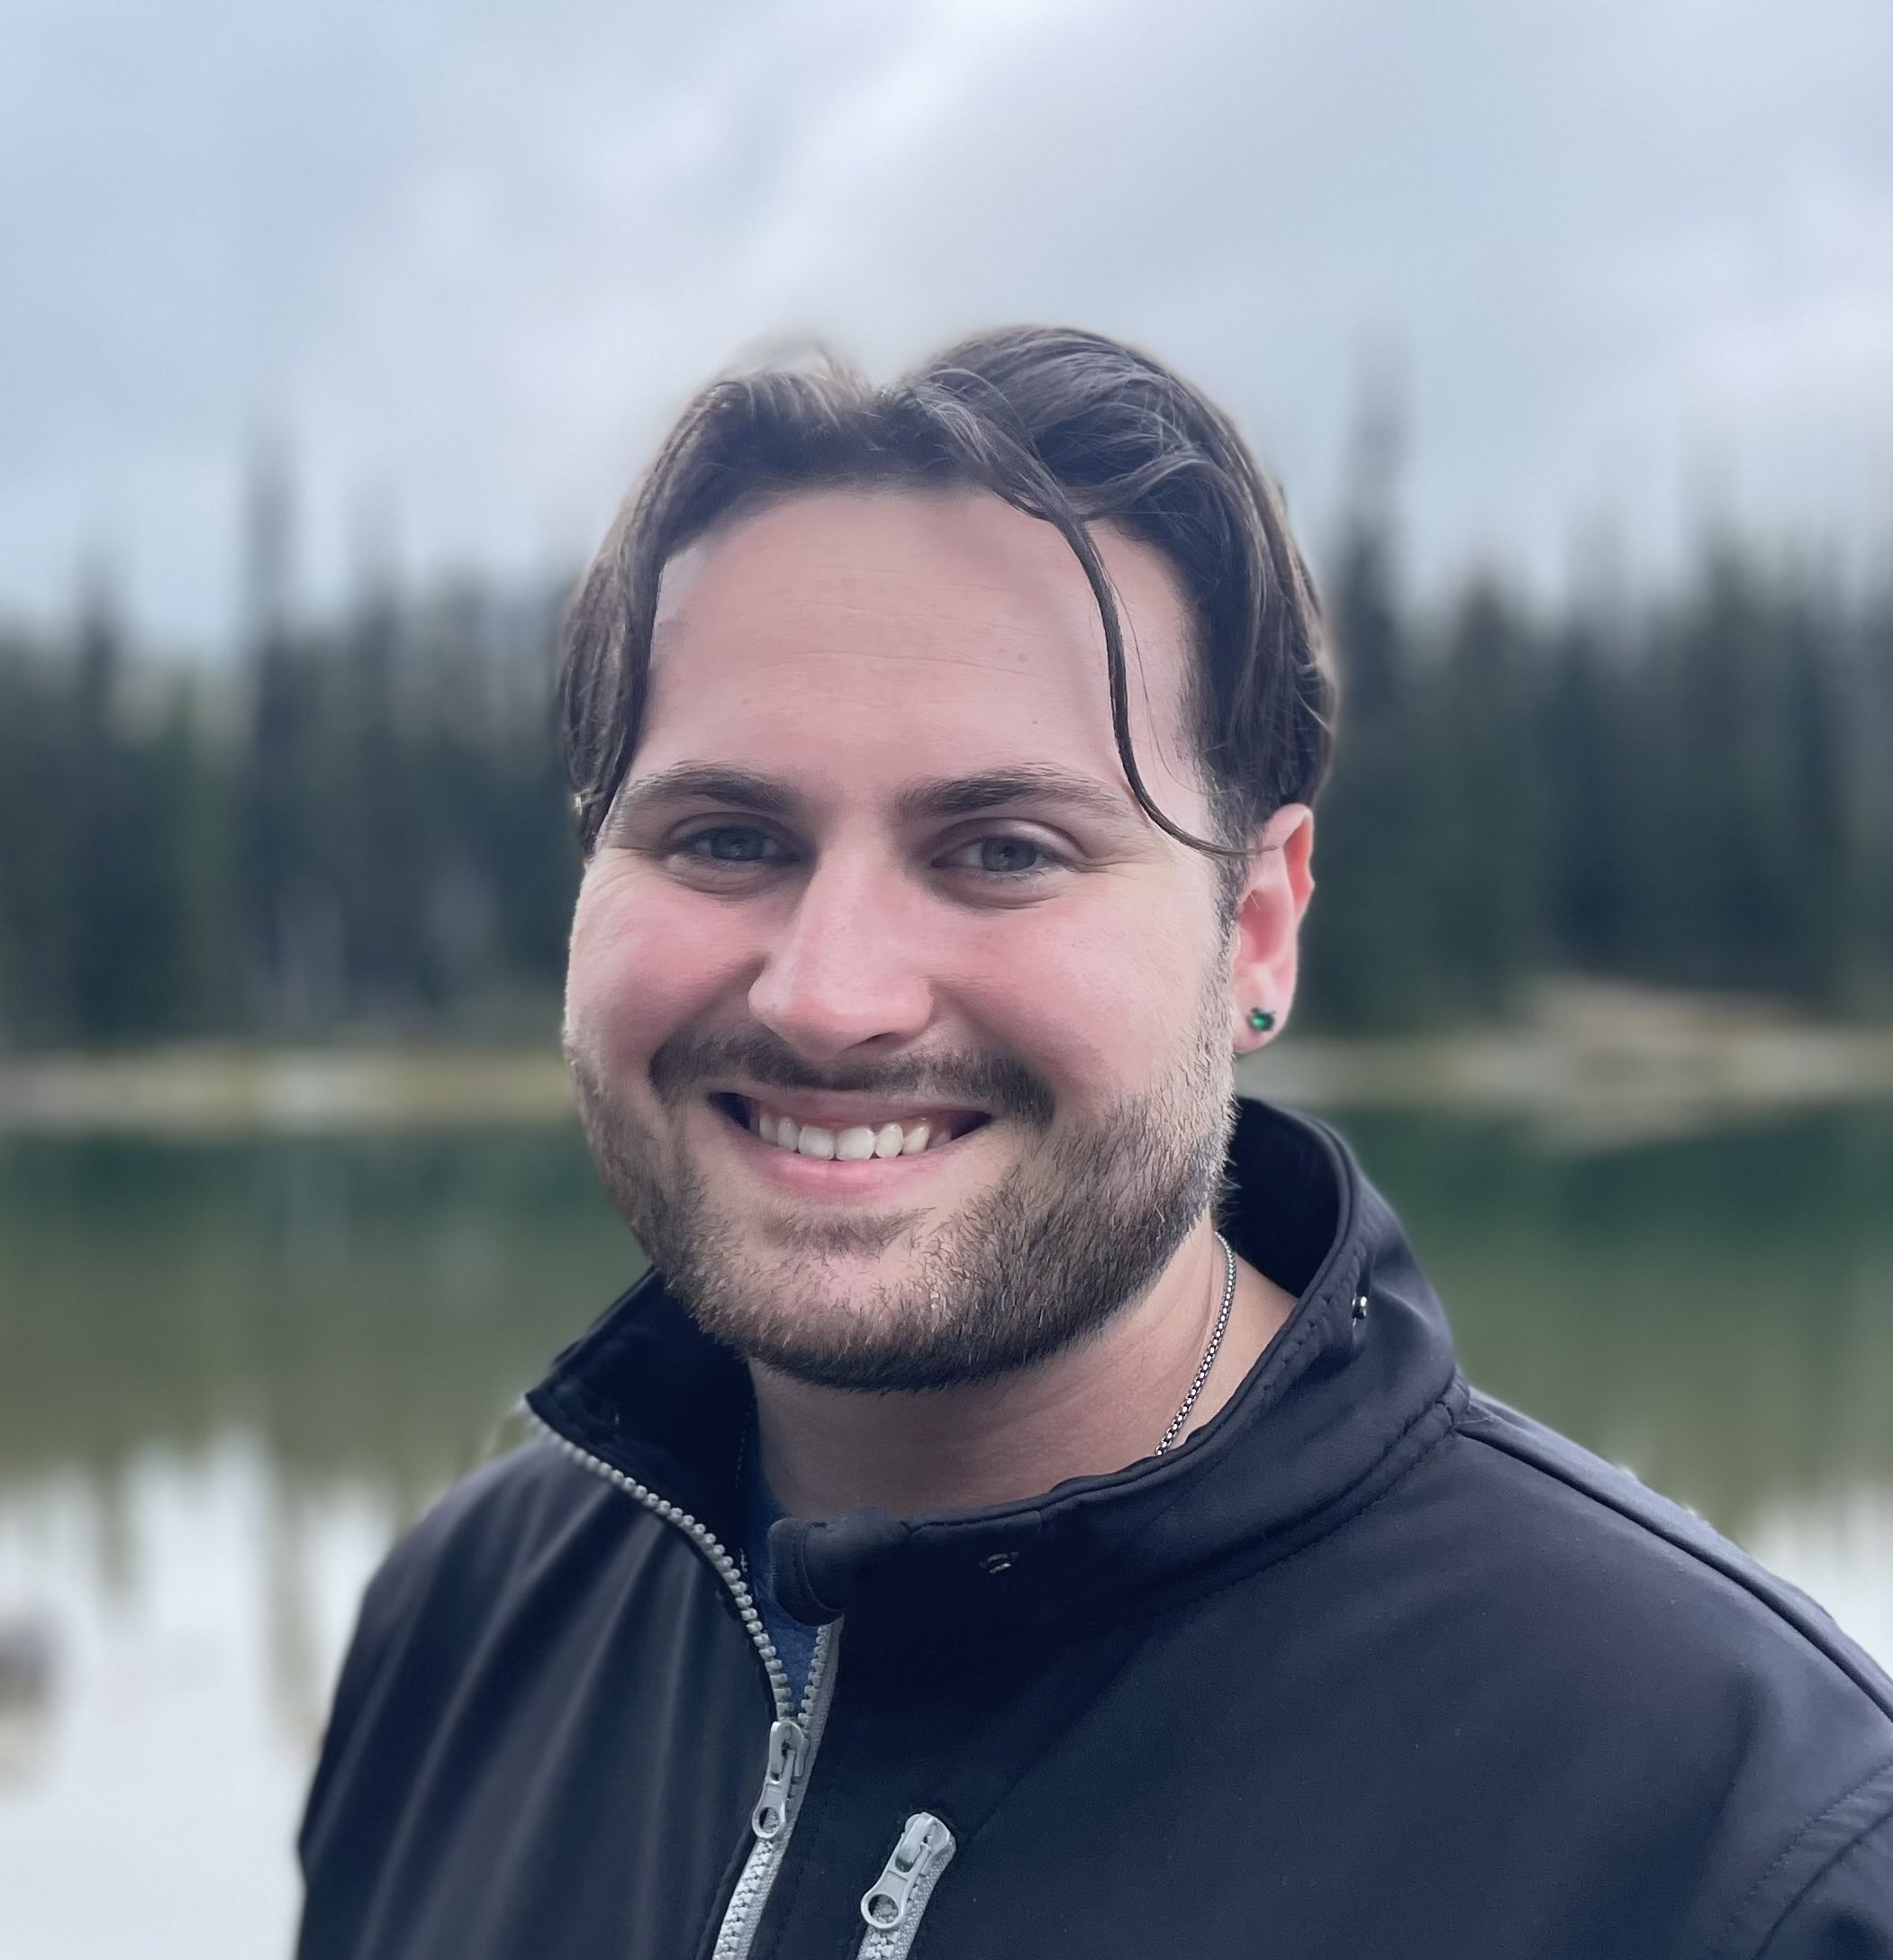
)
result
[(847, 1129)]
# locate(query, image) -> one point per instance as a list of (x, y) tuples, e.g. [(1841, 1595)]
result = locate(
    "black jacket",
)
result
[(1370, 1667)]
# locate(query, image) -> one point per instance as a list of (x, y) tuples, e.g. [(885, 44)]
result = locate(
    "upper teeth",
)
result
[(853, 1146)]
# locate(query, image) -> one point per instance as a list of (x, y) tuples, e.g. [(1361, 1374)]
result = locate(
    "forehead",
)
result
[(913, 633)]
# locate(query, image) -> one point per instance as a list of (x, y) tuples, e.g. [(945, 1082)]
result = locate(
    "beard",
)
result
[(1077, 1232)]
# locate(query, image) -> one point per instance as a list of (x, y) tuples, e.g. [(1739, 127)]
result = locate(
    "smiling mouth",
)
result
[(889, 1134)]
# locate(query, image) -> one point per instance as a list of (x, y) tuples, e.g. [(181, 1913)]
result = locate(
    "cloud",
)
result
[(471, 259)]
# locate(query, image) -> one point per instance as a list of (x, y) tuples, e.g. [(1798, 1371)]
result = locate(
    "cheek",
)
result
[(645, 960), (1098, 1006)]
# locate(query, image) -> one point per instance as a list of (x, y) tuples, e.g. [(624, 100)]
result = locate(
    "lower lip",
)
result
[(830, 1177)]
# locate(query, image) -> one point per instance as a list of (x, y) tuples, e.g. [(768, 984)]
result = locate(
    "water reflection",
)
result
[(228, 1372), (367, 1307), (1718, 1312)]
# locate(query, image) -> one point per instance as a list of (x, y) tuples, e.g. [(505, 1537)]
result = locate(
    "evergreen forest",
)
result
[(360, 828)]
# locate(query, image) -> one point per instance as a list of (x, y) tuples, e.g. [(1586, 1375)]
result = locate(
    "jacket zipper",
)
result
[(892, 1905), (792, 1743), (794, 1735)]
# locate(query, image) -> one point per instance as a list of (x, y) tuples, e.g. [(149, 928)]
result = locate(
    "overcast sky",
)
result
[(1628, 257)]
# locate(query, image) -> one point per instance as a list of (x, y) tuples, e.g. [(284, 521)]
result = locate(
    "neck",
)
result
[(1095, 1408)]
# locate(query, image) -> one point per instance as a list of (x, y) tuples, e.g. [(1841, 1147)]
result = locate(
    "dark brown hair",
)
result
[(1068, 427)]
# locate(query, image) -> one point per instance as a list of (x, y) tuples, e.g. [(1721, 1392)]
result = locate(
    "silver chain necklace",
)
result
[(1176, 1421), (1209, 1360)]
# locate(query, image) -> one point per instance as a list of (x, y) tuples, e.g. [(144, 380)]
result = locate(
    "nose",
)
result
[(848, 967)]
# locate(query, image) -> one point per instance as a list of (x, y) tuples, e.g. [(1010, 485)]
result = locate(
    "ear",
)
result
[(1268, 924)]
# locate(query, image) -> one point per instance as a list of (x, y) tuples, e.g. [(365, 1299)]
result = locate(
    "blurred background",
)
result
[(337, 334)]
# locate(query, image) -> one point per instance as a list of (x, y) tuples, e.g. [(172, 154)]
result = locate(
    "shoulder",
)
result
[(1580, 1523), (512, 1523), (1702, 1687), (527, 1527), (528, 1531)]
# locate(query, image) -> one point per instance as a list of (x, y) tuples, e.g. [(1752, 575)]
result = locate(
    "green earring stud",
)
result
[(1261, 1020)]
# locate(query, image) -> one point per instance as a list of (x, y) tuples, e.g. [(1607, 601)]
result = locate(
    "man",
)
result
[(1030, 1508)]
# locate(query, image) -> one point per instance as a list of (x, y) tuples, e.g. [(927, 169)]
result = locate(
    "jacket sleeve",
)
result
[(1846, 1912), (359, 1778), (359, 1666)]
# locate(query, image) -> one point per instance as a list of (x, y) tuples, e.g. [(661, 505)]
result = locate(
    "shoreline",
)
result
[(1592, 1065)]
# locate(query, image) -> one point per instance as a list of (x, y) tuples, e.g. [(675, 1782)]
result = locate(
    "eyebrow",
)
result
[(703, 781), (966, 795), (932, 797)]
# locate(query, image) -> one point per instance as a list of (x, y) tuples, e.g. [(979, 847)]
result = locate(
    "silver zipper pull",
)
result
[(906, 1879), (788, 1750)]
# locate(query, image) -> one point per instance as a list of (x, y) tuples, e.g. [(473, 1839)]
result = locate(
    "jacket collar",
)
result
[(1356, 1383)]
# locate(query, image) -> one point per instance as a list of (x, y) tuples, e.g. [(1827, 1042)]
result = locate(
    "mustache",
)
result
[(997, 1083)]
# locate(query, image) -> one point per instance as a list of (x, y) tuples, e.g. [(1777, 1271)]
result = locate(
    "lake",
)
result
[(230, 1371)]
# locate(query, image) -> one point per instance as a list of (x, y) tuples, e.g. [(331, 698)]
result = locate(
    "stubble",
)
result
[(1041, 1260)]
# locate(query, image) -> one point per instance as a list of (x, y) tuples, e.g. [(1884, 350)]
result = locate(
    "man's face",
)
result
[(875, 889)]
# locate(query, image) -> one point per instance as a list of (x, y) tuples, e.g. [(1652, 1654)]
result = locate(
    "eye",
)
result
[(730, 844), (1010, 860)]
